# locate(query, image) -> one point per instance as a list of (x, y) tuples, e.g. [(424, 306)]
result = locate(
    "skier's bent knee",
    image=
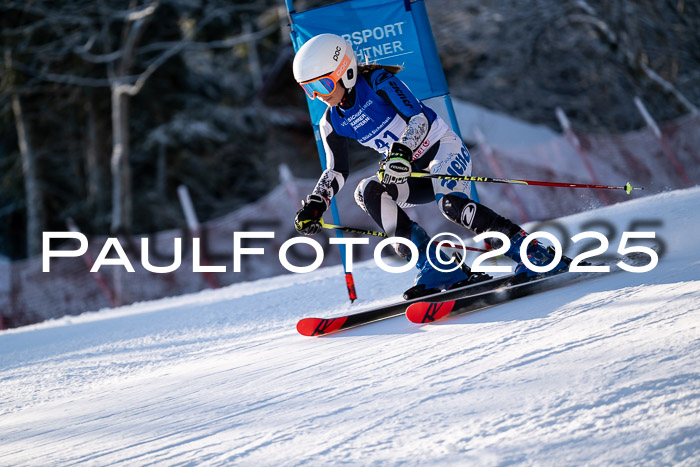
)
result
[(368, 190)]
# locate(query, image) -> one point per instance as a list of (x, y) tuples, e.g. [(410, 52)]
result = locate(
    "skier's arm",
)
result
[(337, 160), (416, 131), (308, 218), (398, 159), (396, 93)]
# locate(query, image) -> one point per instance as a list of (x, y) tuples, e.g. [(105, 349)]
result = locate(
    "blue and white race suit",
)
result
[(377, 111)]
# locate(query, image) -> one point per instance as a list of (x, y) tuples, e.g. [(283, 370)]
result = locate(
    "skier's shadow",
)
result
[(547, 303), (530, 307)]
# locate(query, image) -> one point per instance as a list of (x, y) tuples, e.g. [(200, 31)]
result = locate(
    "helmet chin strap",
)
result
[(348, 99)]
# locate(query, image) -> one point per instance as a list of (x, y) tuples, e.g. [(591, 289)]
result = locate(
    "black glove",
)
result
[(397, 166), (308, 218)]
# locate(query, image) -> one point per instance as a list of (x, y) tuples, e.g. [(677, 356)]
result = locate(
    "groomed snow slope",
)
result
[(603, 372)]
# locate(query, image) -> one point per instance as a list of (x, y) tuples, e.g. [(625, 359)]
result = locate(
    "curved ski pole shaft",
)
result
[(382, 234), (471, 178)]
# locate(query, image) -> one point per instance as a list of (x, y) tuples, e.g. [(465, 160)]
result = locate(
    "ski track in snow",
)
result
[(601, 372)]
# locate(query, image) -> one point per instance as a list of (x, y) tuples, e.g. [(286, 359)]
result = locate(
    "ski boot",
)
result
[(537, 254), (431, 280)]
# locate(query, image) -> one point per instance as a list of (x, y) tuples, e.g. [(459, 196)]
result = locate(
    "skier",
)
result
[(369, 104)]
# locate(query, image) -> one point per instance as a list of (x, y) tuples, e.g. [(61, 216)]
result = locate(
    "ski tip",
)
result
[(319, 326), (427, 312)]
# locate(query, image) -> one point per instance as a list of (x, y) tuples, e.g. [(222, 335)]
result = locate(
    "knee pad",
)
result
[(458, 209), (474, 216)]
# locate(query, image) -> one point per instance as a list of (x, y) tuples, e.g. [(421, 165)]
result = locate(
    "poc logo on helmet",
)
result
[(336, 54)]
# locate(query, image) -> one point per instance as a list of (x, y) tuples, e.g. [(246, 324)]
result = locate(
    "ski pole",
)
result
[(382, 234), (352, 230), (471, 178)]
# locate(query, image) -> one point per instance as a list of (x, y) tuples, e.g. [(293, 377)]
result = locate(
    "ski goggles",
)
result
[(325, 85)]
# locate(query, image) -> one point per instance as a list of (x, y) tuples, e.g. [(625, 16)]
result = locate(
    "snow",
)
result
[(499, 130), (602, 372)]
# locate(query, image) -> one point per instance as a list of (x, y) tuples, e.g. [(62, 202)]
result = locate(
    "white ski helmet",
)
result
[(325, 55)]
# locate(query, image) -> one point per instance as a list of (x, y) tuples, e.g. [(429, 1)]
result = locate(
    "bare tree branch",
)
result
[(632, 58)]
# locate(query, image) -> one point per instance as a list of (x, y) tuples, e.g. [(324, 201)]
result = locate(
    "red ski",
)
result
[(322, 326), (428, 312)]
